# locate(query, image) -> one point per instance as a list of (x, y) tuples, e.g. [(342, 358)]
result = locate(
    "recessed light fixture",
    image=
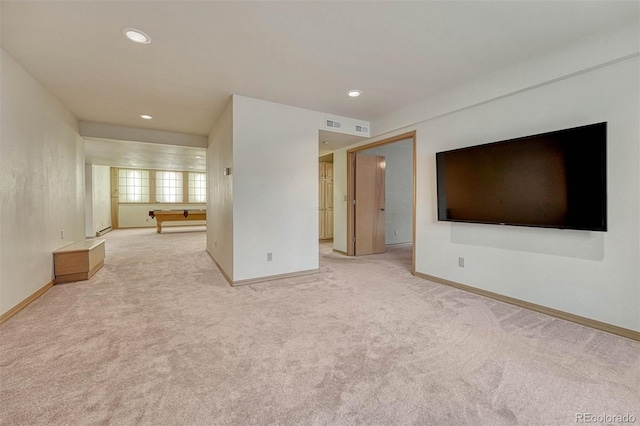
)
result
[(146, 116), (199, 156), (354, 93), (136, 36)]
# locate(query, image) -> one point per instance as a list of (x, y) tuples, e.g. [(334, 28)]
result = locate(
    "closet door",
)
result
[(328, 204), (321, 208), (325, 201)]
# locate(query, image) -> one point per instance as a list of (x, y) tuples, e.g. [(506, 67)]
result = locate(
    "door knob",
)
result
[(382, 209)]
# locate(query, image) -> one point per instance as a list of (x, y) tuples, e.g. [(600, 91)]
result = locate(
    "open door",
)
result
[(369, 204), (351, 197)]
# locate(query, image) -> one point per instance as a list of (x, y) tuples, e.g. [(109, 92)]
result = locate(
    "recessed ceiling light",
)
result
[(354, 93), (136, 36), (146, 116), (199, 156)]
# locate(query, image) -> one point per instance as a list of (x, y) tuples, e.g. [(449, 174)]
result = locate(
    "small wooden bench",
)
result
[(78, 261)]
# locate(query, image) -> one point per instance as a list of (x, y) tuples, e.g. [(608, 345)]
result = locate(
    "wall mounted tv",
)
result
[(550, 180)]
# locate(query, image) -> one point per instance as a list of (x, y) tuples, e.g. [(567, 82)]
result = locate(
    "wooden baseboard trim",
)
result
[(224, 274), (603, 326), (275, 277), (340, 252), (260, 279), (20, 306)]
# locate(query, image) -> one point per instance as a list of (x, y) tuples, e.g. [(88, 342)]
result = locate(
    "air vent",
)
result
[(362, 129), (333, 124), (103, 231)]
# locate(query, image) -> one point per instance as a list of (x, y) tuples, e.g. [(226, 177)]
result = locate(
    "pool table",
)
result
[(176, 215)]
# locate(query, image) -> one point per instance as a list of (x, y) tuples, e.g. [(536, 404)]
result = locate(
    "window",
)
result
[(169, 187), (160, 186), (133, 186), (197, 187)]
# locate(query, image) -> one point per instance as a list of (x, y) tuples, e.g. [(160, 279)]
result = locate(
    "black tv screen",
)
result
[(550, 180)]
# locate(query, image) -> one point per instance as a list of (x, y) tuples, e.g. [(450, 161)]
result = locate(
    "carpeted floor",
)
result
[(158, 337)]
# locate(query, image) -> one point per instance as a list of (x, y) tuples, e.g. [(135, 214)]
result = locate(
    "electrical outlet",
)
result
[(396, 232), (215, 243), (269, 257), (62, 235), (461, 262)]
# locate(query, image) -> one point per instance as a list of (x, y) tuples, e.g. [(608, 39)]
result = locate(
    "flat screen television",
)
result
[(550, 180)]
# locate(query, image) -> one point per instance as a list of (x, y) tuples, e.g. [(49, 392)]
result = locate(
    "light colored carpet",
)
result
[(158, 337)]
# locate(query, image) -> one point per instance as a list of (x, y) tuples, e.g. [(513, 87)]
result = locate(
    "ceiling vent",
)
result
[(362, 129), (333, 124)]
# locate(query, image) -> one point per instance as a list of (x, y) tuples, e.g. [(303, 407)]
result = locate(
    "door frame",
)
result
[(351, 186)]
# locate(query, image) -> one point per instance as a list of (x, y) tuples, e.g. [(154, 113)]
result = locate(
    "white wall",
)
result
[(275, 188), (97, 198), (88, 200), (591, 274), (398, 190), (269, 202), (137, 215), (220, 192), (101, 197), (586, 273), (41, 182)]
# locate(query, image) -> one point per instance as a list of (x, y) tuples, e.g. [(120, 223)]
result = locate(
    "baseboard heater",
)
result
[(103, 231)]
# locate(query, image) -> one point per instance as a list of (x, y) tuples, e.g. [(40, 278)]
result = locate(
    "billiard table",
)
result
[(176, 215)]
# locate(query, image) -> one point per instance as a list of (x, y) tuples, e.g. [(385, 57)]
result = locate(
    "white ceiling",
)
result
[(330, 141), (304, 53), (115, 153)]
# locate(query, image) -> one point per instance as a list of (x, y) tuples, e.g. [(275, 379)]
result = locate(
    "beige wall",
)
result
[(41, 181), (97, 198), (220, 192), (137, 215)]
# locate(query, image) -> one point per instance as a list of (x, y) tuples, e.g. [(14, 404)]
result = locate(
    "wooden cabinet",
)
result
[(78, 261), (325, 201)]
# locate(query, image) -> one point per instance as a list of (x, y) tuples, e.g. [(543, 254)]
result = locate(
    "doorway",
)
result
[(381, 209)]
